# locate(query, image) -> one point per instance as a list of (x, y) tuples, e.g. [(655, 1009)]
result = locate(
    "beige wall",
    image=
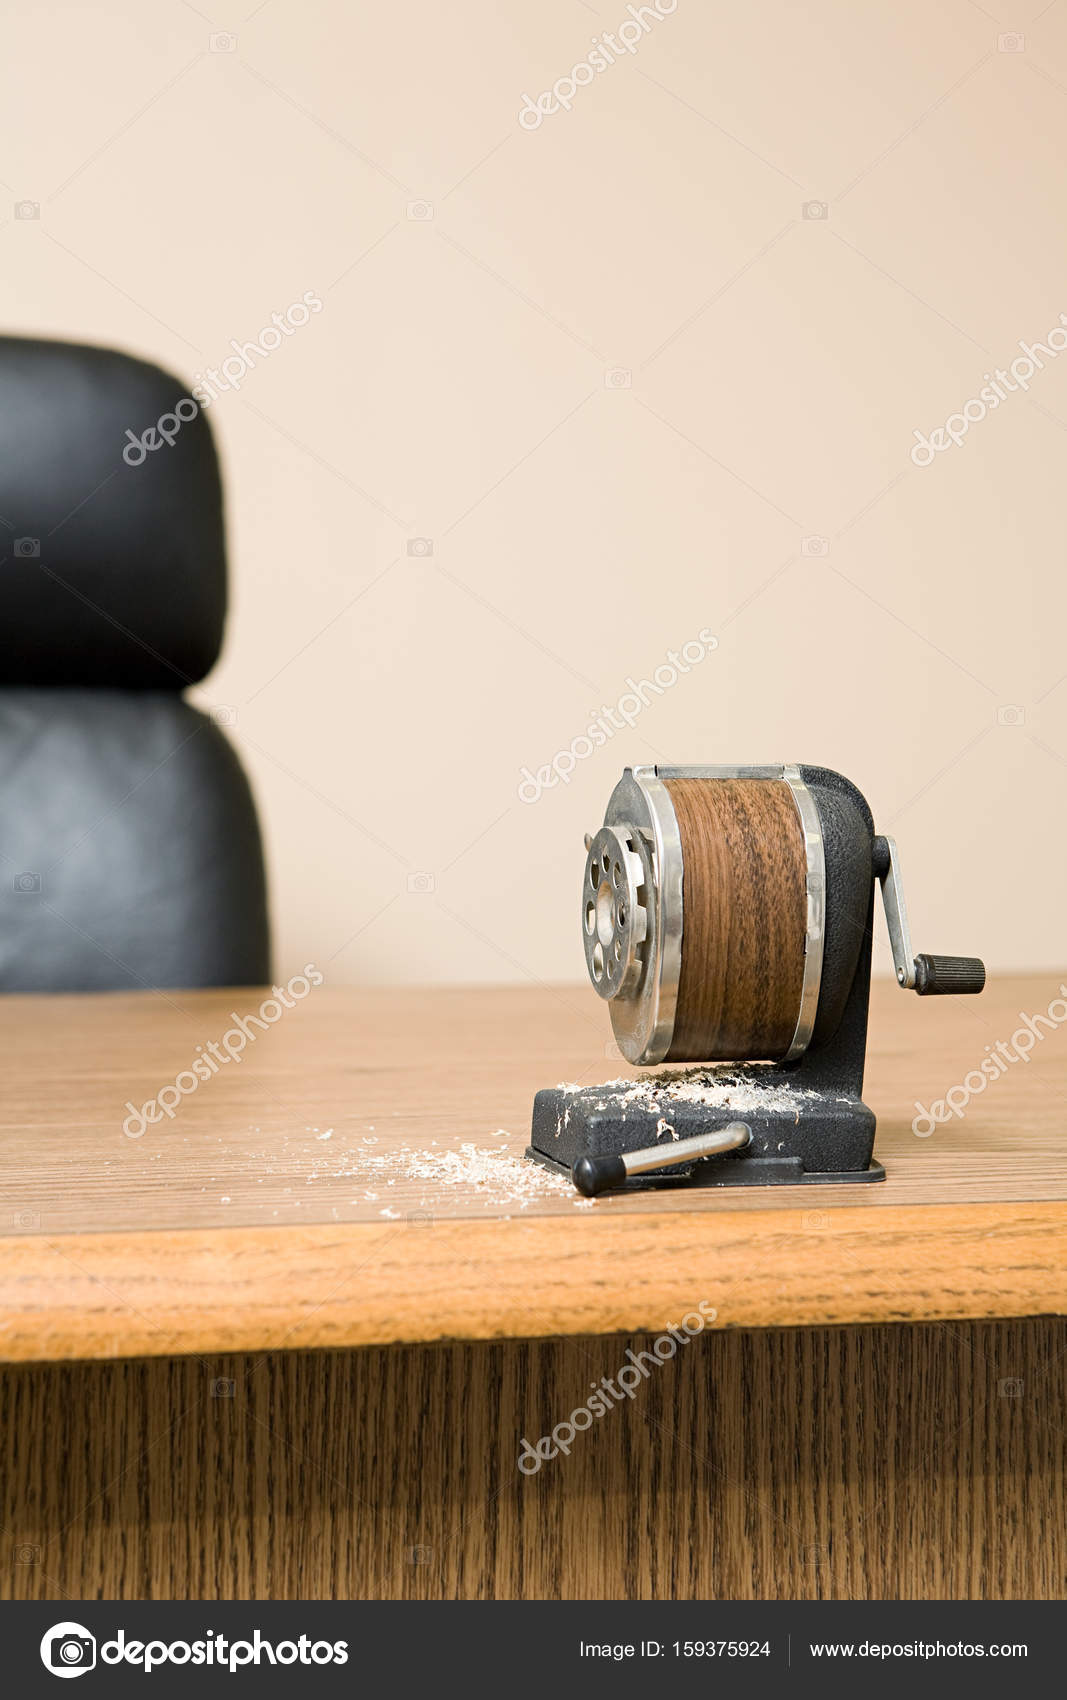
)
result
[(458, 386)]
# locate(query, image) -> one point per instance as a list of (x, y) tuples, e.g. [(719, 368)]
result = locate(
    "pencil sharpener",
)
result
[(726, 920)]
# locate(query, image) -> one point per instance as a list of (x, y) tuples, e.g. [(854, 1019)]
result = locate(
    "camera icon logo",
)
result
[(27, 209), (815, 209), (1011, 1387), (26, 1219), (1011, 714), (421, 883), (27, 883), (420, 211), (1012, 42), (420, 548), (420, 1555), (68, 1649), (223, 715), (223, 1387), (222, 42), (815, 546), (618, 378), (27, 548)]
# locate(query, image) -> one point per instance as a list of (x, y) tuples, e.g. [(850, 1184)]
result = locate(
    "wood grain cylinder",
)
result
[(744, 900)]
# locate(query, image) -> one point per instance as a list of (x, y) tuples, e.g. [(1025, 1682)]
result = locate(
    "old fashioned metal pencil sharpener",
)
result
[(726, 919)]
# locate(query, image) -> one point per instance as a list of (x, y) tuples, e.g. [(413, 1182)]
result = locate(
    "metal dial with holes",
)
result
[(614, 917)]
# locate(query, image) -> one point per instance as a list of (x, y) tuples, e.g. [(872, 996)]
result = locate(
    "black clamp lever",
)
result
[(596, 1174)]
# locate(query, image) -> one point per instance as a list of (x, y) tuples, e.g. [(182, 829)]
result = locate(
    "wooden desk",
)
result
[(878, 1411)]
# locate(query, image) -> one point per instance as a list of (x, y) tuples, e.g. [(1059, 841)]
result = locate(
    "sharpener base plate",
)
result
[(817, 1139)]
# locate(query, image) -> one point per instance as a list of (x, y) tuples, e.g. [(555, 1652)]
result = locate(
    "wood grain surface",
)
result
[(744, 900), (126, 1295), (237, 1226), (859, 1463)]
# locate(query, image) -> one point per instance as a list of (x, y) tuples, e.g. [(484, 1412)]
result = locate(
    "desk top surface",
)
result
[(353, 1172)]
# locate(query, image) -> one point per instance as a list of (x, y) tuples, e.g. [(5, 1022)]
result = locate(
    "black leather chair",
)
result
[(130, 853)]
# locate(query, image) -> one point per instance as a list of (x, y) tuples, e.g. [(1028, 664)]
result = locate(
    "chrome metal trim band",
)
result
[(815, 927), (643, 1024)]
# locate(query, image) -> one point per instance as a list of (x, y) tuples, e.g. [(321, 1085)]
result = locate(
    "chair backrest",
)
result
[(130, 853)]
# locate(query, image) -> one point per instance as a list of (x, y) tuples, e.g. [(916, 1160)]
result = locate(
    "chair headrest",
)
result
[(112, 555)]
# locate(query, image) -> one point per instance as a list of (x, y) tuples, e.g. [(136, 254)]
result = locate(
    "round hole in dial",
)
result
[(605, 914)]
